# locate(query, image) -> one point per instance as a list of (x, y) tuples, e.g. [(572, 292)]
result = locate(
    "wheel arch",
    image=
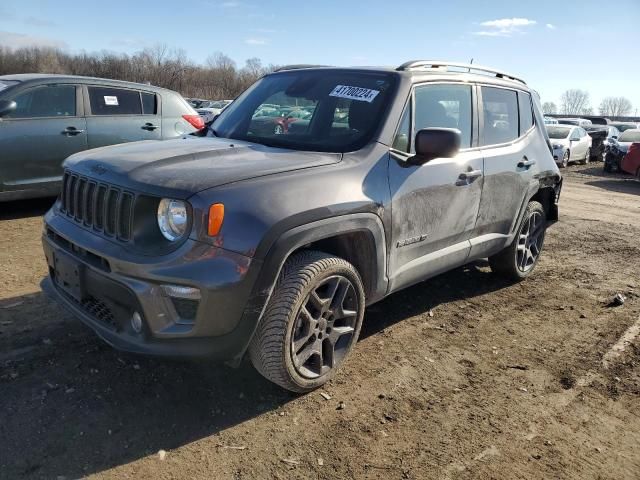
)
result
[(336, 235)]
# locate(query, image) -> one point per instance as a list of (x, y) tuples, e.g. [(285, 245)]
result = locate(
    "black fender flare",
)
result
[(297, 237), (549, 179)]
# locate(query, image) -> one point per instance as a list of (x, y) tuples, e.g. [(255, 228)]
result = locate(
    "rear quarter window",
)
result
[(149, 104), (114, 101), (526, 112)]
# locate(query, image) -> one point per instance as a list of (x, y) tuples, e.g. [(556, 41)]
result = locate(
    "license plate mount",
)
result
[(69, 275)]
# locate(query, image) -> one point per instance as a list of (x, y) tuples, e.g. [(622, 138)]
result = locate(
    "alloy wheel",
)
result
[(324, 327), (530, 239)]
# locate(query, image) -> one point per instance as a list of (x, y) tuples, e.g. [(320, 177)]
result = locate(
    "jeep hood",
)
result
[(184, 166)]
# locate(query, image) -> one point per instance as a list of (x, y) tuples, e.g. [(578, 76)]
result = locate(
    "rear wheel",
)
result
[(312, 321), (565, 159), (518, 260), (587, 157)]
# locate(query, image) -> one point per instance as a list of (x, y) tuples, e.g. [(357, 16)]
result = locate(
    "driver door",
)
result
[(434, 206)]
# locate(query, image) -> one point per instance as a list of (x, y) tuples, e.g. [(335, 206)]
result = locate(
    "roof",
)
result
[(36, 77), (429, 69)]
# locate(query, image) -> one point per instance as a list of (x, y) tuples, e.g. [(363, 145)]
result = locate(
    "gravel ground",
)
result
[(463, 376)]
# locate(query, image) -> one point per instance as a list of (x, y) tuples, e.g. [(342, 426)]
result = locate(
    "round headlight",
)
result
[(172, 218)]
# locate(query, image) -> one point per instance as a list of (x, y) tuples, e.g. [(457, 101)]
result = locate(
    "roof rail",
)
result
[(297, 67), (448, 66)]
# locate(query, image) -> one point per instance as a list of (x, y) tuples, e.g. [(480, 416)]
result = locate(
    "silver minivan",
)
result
[(46, 118)]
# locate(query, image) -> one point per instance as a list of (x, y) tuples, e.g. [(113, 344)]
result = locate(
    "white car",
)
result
[(569, 143), (209, 109)]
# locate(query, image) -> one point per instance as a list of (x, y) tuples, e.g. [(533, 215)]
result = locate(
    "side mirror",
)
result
[(6, 107), (436, 143)]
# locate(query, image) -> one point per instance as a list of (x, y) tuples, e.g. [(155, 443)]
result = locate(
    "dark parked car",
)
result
[(273, 244), (619, 149), (46, 118)]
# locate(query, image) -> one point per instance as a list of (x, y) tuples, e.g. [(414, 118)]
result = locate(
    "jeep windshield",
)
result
[(317, 110)]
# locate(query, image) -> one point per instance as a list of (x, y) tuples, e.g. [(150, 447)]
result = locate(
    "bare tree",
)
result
[(549, 108), (218, 78), (615, 106), (574, 102)]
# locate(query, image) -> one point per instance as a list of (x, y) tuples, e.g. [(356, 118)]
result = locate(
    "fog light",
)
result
[(178, 291), (136, 322)]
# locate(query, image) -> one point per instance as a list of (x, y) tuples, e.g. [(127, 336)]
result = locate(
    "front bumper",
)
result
[(114, 283)]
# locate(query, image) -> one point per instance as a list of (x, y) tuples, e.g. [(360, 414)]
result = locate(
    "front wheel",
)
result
[(311, 323), (518, 260)]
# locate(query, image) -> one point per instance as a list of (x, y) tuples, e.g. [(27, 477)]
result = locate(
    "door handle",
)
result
[(149, 126), (71, 131), (525, 163), (466, 178)]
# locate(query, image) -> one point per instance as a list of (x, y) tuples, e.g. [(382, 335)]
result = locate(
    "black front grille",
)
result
[(100, 206)]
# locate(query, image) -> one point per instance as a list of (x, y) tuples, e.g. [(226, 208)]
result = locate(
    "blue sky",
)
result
[(554, 45)]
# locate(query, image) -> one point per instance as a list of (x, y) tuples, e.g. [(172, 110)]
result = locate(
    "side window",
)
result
[(402, 139), (48, 101), (500, 115), (445, 106), (149, 104), (526, 113), (114, 101)]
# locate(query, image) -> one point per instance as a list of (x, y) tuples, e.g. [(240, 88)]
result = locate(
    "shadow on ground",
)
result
[(25, 208), (621, 185), (72, 406)]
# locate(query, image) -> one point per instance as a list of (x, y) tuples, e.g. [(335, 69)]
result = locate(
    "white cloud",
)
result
[(256, 41), (230, 4), (508, 23), (551, 26), (19, 40), (504, 27)]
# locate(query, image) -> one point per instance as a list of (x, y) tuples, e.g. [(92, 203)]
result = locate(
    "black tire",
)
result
[(509, 262), (607, 167), (286, 324), (565, 159), (587, 157)]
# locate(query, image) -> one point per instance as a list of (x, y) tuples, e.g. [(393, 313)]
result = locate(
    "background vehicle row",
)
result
[(44, 119)]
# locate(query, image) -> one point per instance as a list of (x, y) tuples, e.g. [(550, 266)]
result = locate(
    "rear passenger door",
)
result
[(508, 139), (433, 206), (119, 115)]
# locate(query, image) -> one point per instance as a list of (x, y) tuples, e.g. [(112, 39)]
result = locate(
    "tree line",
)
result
[(577, 102), (219, 77)]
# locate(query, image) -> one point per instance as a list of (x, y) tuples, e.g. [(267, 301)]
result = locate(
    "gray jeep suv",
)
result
[(46, 118), (272, 244)]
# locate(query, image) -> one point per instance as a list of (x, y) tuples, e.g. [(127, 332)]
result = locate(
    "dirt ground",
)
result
[(464, 376)]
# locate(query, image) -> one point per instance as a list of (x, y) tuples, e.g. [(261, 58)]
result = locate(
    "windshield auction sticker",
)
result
[(354, 93)]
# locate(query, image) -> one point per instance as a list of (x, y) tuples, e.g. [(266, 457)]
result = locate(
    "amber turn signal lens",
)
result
[(216, 216)]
